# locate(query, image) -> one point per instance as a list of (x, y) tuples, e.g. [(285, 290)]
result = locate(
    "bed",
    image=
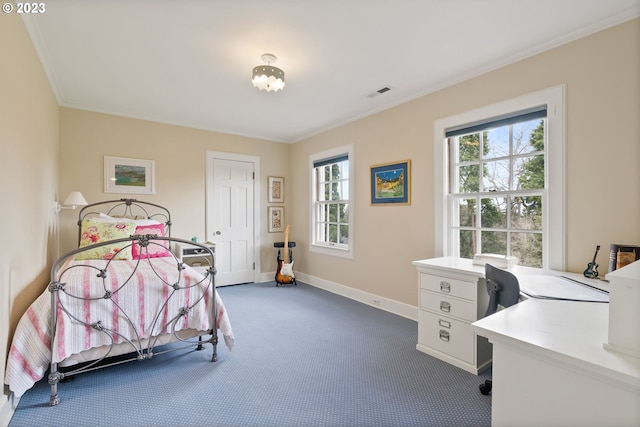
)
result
[(121, 293)]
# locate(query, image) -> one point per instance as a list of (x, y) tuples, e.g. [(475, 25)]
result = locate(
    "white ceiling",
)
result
[(189, 62)]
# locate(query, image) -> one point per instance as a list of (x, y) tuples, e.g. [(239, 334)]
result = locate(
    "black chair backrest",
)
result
[(503, 288)]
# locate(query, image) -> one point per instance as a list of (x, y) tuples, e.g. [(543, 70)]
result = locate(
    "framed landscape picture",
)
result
[(134, 176), (390, 183)]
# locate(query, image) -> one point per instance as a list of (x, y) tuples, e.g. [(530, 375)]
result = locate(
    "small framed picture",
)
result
[(275, 216), (134, 176), (276, 189), (390, 183)]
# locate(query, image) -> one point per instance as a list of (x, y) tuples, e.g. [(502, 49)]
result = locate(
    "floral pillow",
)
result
[(156, 249), (93, 232)]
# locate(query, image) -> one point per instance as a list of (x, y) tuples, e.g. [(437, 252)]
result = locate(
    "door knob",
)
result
[(218, 233)]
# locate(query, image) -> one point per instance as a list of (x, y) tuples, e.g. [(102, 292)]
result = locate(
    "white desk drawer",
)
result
[(446, 335), (447, 306), (445, 285)]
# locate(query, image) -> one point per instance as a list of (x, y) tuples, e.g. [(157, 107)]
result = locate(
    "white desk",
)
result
[(453, 295), (550, 367)]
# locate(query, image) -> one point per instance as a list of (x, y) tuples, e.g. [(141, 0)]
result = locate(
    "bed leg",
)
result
[(214, 343), (199, 347), (53, 380), (54, 400)]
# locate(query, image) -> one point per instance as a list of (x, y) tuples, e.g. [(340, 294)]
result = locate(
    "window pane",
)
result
[(496, 175), (335, 172), (335, 191), (326, 192), (326, 172), (528, 248), (526, 213), (344, 212), (529, 173), (467, 243), (467, 212), (493, 242), (333, 233), (324, 213), (493, 212), (469, 148), (321, 232), (496, 143), (344, 190), (344, 234), (333, 213), (528, 137), (468, 179)]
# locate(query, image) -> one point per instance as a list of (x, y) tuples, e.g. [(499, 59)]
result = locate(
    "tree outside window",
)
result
[(497, 192)]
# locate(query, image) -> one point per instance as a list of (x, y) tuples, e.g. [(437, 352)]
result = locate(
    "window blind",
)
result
[(330, 160), (538, 112)]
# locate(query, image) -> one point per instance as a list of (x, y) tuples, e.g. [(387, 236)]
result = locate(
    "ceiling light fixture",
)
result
[(266, 77)]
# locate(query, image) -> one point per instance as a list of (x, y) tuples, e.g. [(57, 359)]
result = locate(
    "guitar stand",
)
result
[(281, 245)]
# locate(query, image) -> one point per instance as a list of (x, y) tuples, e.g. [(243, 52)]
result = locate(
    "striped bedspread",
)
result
[(130, 303)]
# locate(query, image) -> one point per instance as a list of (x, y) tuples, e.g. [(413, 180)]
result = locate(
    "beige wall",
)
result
[(179, 154), (28, 180), (603, 106)]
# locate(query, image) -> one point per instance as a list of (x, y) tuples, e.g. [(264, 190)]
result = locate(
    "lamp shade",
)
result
[(267, 77), (75, 198)]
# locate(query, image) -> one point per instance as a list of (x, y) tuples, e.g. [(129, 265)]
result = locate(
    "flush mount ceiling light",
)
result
[(266, 77)]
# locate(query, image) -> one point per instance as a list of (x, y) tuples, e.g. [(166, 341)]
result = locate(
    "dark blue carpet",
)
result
[(303, 357)]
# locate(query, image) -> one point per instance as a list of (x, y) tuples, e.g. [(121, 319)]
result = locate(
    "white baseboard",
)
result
[(386, 304), (8, 405)]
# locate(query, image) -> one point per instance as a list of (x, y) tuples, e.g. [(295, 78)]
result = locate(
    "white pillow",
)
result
[(102, 217)]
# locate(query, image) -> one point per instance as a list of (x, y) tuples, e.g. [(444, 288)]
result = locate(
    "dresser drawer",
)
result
[(446, 335), (447, 306), (445, 285)]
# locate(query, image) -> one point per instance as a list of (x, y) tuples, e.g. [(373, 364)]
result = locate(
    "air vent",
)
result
[(378, 92)]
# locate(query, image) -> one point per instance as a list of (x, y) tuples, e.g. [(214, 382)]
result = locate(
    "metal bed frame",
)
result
[(137, 347)]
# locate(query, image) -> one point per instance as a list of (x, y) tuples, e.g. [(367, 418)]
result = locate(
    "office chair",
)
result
[(504, 290)]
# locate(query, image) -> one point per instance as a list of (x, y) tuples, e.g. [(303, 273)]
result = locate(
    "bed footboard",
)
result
[(127, 307)]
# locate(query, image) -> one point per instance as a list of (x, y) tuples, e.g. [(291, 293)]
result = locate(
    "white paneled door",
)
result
[(230, 217)]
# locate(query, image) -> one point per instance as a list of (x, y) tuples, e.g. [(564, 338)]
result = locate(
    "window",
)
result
[(500, 180), (332, 205), (497, 187)]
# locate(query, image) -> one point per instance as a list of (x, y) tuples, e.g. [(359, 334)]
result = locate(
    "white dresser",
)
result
[(452, 296)]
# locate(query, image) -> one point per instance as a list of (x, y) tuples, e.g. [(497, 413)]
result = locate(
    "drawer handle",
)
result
[(444, 335), (445, 286), (445, 306), (444, 324)]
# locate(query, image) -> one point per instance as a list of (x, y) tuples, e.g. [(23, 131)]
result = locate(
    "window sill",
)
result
[(332, 251)]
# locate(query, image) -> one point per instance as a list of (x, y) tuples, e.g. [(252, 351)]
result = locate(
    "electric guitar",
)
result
[(592, 268), (285, 274)]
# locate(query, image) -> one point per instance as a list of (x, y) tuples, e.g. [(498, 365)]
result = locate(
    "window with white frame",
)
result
[(332, 204), (500, 181), (497, 186)]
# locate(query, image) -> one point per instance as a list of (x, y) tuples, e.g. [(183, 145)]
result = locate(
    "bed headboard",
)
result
[(126, 208)]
